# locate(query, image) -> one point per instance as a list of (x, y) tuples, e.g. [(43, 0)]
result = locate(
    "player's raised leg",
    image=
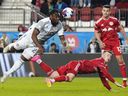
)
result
[(16, 66), (45, 67), (26, 55)]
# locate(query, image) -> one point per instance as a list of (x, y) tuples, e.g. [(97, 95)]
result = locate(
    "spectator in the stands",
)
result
[(93, 46), (60, 5), (96, 3), (68, 2), (86, 3), (74, 3), (47, 7), (39, 3), (4, 41), (105, 2), (22, 29), (53, 48)]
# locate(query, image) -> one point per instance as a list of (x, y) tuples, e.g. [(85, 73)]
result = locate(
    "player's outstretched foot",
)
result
[(35, 58), (125, 83), (48, 82), (5, 50), (2, 79)]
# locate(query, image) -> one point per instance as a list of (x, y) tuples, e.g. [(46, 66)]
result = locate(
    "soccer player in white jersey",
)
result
[(32, 40)]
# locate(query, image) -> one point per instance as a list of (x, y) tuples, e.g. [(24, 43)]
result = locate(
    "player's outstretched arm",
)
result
[(35, 40), (110, 78), (104, 81)]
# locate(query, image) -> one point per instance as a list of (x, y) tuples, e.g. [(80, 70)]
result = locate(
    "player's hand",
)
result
[(102, 45), (118, 85)]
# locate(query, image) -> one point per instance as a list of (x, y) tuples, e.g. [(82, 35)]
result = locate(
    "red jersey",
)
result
[(83, 67), (108, 29), (88, 66)]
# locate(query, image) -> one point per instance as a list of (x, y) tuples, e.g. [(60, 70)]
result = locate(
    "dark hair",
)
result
[(55, 12), (53, 44), (106, 6)]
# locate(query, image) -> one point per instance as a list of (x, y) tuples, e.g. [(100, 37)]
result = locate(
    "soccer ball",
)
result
[(31, 74), (67, 13)]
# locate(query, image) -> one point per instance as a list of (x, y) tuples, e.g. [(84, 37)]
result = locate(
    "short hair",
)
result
[(53, 44), (106, 6), (56, 12)]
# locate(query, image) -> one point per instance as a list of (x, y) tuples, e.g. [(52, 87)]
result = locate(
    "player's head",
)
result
[(106, 10), (54, 17), (106, 55)]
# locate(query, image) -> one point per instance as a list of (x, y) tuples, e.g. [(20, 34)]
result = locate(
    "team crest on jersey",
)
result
[(111, 23)]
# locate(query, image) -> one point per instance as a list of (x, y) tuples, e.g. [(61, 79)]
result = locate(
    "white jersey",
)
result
[(47, 30)]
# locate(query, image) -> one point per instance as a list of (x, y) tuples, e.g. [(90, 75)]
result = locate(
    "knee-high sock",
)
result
[(61, 78), (46, 68), (16, 66), (122, 67)]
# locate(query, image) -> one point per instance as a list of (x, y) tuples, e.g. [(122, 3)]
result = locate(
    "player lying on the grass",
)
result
[(70, 70)]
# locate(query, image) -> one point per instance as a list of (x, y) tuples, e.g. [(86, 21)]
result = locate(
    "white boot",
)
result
[(2, 79), (6, 49)]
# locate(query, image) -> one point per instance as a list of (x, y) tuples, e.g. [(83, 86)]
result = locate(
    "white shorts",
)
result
[(25, 42), (28, 53)]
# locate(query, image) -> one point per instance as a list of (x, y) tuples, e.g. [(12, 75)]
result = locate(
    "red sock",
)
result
[(122, 67), (62, 78), (46, 68)]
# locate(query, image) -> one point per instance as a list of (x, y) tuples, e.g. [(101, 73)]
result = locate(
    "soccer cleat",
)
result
[(125, 83), (48, 82), (35, 58), (2, 79), (6, 49)]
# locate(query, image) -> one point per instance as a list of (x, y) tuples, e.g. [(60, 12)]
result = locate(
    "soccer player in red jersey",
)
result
[(105, 30), (70, 70)]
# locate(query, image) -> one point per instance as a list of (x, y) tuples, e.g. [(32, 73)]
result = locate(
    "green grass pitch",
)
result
[(35, 86)]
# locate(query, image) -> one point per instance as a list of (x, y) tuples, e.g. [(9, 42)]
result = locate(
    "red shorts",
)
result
[(71, 67), (113, 46)]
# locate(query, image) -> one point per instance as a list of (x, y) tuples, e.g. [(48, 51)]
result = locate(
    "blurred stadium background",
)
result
[(17, 15)]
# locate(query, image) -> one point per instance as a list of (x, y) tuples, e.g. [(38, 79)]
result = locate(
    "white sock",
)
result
[(52, 80), (16, 66), (39, 61)]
